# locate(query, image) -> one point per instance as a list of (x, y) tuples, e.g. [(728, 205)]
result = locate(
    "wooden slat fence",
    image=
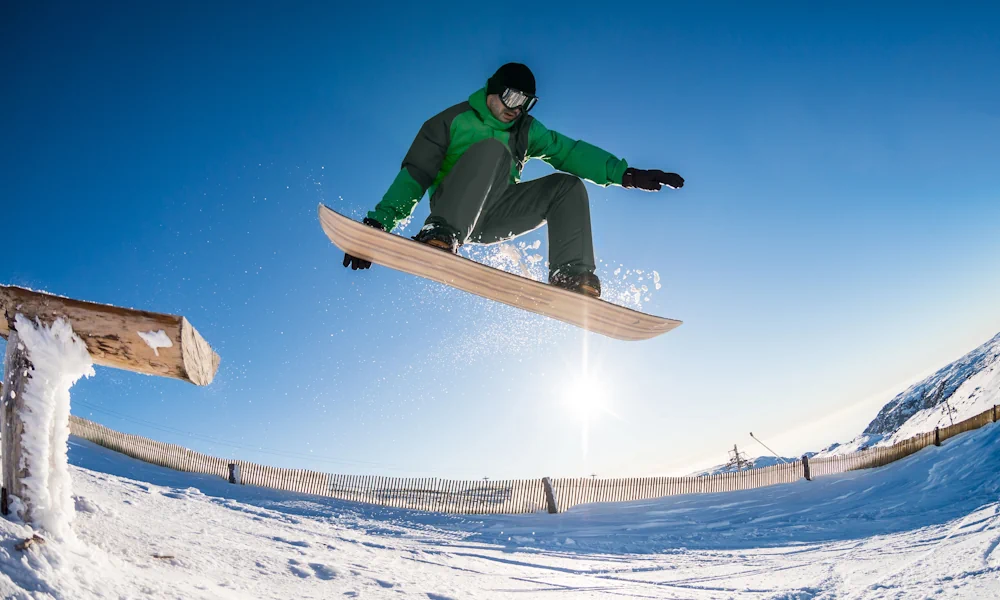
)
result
[(980, 420), (513, 496), (574, 491), (870, 457)]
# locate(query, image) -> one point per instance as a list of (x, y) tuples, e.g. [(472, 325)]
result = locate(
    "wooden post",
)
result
[(16, 375), (550, 496), (123, 338), (937, 436), (805, 467)]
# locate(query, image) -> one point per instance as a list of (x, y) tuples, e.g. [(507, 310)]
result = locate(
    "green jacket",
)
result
[(445, 136)]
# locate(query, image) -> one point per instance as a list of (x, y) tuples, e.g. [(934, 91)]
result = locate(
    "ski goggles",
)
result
[(514, 99)]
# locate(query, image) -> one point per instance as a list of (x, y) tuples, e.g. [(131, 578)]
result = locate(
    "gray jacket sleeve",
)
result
[(423, 160), (420, 167)]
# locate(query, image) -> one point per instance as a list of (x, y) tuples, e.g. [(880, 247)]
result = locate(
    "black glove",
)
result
[(650, 180), (359, 263)]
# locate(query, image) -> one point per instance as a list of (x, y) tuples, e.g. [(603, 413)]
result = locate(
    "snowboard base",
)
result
[(408, 256)]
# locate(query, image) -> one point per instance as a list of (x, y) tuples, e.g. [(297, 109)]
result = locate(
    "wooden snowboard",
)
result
[(404, 254)]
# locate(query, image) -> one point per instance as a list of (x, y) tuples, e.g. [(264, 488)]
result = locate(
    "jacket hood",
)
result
[(478, 102)]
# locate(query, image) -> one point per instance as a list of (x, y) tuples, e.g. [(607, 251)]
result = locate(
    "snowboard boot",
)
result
[(584, 283), (438, 237)]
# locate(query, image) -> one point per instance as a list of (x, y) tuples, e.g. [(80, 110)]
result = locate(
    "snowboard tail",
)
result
[(408, 256)]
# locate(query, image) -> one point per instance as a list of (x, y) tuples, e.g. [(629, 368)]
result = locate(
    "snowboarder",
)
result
[(470, 158)]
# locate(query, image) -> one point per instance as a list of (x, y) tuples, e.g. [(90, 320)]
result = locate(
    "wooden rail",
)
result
[(114, 335)]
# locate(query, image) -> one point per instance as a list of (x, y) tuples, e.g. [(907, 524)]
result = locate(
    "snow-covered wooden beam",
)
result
[(68, 336), (123, 338)]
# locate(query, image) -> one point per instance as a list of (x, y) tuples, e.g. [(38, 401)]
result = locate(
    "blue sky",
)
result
[(837, 238)]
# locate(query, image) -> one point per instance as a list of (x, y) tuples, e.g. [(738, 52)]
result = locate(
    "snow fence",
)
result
[(513, 496)]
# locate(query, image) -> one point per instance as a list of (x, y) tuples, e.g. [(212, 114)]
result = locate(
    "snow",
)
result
[(963, 389), (928, 525), (940, 387), (976, 394), (59, 358), (156, 340), (758, 462), (520, 258)]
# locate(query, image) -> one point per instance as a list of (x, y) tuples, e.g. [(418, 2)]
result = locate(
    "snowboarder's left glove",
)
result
[(359, 263), (651, 181)]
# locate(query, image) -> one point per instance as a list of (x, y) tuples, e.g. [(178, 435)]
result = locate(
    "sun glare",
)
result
[(585, 396)]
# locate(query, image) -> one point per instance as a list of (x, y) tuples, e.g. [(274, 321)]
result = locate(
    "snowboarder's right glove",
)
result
[(651, 181), (359, 263)]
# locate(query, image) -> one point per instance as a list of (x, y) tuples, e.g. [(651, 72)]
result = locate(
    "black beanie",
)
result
[(511, 75)]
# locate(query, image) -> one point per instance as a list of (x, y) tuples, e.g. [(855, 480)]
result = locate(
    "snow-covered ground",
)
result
[(926, 526)]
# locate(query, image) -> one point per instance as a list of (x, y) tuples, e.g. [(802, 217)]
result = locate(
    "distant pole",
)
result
[(947, 405), (16, 371), (234, 473), (805, 467), (773, 453), (737, 458)]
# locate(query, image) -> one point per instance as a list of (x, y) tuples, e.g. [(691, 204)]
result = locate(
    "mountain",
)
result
[(758, 462), (960, 390), (956, 392)]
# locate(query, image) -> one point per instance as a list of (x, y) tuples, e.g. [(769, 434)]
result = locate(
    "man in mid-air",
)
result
[(470, 158)]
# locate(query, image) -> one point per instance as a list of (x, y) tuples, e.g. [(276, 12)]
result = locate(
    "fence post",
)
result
[(550, 496), (16, 467), (994, 413), (805, 467), (937, 436), (234, 473)]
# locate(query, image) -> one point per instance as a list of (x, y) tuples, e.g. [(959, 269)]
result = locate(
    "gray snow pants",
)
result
[(477, 201)]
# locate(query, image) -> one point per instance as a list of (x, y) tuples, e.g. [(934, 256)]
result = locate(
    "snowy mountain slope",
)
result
[(929, 524), (758, 462), (963, 389), (960, 390), (958, 382)]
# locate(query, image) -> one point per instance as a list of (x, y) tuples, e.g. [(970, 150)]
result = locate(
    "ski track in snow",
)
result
[(926, 526)]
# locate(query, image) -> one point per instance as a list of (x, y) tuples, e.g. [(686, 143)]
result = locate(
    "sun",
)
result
[(586, 396)]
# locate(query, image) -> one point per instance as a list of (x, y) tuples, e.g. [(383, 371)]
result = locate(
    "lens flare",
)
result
[(585, 396)]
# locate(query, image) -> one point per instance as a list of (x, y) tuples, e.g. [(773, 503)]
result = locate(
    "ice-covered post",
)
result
[(51, 342), (15, 370), (41, 364)]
